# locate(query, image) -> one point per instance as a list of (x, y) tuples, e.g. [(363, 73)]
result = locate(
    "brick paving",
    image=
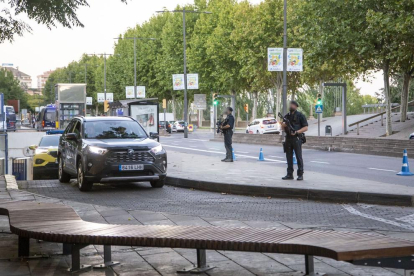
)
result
[(161, 261)]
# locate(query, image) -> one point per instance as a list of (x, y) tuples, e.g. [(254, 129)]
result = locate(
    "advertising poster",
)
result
[(110, 97), (295, 59), (100, 97), (275, 59), (140, 91), (129, 92), (88, 100), (192, 81), (147, 116), (178, 82)]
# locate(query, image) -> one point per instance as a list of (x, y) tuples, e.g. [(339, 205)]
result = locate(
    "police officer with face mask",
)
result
[(293, 140), (227, 128)]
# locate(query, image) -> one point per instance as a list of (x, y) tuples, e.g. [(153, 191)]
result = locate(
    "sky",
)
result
[(44, 49)]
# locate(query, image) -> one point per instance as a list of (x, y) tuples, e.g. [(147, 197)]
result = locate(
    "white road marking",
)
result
[(273, 156), (209, 151), (319, 162), (376, 169), (213, 149), (201, 140), (353, 211), (408, 219), (237, 151)]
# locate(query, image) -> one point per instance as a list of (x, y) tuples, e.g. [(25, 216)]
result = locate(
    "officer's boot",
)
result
[(288, 177)]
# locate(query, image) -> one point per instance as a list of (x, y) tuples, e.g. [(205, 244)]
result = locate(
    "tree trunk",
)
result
[(387, 94), (404, 96), (293, 95), (254, 115), (173, 107)]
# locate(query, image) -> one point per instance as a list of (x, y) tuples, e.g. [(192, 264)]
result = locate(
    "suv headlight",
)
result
[(97, 150), (157, 150)]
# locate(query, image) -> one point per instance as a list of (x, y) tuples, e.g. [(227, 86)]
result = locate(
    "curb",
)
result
[(295, 193)]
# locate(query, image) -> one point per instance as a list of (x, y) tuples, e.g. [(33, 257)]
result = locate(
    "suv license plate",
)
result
[(139, 167)]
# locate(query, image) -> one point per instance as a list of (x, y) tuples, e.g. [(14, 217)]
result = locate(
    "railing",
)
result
[(372, 117)]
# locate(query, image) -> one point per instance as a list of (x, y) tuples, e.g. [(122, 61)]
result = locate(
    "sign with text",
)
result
[(200, 101), (295, 59), (100, 97), (88, 100), (275, 59), (109, 97), (178, 82)]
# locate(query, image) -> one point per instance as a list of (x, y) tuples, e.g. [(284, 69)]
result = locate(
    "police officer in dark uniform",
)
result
[(227, 129), (293, 141)]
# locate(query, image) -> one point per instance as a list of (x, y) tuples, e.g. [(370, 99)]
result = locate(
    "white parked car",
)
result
[(263, 126), (178, 126)]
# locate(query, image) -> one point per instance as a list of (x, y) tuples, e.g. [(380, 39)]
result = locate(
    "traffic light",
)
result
[(106, 106), (246, 108), (215, 99), (319, 100)]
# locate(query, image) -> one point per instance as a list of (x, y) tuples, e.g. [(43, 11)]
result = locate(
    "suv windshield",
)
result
[(49, 141), (50, 115), (113, 130)]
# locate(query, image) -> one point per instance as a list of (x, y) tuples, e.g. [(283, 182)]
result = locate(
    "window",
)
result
[(77, 129), (50, 115), (113, 130), (269, 122), (49, 141)]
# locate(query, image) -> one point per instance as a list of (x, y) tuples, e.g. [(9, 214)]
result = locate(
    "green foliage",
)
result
[(49, 13), (11, 88)]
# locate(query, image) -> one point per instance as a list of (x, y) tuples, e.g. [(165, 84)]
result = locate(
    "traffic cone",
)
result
[(233, 155), (405, 170), (261, 156)]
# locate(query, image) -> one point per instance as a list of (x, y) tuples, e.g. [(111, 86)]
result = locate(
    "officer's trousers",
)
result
[(227, 143), (294, 144)]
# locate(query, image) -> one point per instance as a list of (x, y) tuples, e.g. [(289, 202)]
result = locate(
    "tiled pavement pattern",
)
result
[(159, 261), (172, 200)]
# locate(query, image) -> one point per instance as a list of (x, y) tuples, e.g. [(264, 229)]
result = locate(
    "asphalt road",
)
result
[(358, 166), (140, 196)]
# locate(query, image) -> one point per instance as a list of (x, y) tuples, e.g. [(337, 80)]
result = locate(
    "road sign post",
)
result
[(319, 111)]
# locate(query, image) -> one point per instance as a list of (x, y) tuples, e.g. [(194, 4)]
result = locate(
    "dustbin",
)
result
[(328, 130)]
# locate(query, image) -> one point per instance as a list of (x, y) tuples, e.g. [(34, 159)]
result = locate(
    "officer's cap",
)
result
[(295, 103)]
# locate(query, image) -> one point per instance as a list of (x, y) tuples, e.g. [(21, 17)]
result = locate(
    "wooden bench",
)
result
[(61, 224)]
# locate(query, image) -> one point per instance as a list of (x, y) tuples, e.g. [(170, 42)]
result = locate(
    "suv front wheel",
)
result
[(83, 184)]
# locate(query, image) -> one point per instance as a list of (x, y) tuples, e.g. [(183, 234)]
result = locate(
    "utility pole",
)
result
[(104, 55), (184, 11), (135, 58), (284, 95)]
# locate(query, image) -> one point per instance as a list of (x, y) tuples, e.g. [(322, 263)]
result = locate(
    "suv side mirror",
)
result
[(154, 135), (71, 136)]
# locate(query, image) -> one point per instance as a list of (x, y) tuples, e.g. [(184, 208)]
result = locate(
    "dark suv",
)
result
[(110, 149)]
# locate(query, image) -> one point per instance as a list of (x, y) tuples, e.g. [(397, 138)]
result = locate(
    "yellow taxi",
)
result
[(45, 158)]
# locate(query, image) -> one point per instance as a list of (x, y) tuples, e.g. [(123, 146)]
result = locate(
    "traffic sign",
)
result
[(318, 108)]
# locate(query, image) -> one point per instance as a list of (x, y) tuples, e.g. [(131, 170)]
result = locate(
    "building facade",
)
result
[(41, 79), (24, 79)]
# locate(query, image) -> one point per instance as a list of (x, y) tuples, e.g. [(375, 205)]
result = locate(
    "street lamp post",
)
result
[(284, 93), (184, 11), (104, 54), (135, 58)]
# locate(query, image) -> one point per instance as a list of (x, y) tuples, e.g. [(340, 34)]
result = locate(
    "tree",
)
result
[(49, 13), (11, 88)]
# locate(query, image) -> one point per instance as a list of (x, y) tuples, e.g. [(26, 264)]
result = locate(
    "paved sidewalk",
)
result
[(161, 261), (263, 178)]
